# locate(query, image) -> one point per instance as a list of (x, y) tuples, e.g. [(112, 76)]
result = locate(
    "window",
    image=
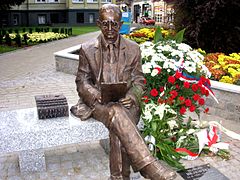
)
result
[(54, 18), (40, 1), (106, 1), (41, 19), (77, 1), (80, 17), (91, 18), (52, 1), (15, 19), (92, 1)]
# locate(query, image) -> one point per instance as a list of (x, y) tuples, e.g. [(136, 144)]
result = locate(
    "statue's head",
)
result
[(110, 21)]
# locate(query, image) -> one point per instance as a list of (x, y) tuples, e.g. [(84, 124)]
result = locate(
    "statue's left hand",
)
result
[(126, 102)]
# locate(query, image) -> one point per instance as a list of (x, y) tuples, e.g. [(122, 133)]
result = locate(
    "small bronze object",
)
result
[(51, 106)]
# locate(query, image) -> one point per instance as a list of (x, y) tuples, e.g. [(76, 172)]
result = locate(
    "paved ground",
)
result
[(31, 71)]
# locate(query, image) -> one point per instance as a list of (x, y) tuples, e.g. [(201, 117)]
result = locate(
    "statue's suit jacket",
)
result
[(90, 68)]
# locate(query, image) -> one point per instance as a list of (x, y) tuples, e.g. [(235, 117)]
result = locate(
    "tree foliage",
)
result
[(213, 25), (6, 4)]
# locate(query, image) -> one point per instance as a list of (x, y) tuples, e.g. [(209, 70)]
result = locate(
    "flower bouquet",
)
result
[(177, 81)]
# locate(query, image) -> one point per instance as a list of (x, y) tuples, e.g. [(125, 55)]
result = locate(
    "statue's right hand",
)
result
[(99, 98)]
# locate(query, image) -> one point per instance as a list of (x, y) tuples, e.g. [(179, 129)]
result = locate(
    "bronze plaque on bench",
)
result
[(51, 106)]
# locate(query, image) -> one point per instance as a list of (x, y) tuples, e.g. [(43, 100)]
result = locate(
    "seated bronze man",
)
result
[(112, 59)]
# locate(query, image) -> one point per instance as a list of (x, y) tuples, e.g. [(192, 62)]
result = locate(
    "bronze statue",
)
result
[(115, 61)]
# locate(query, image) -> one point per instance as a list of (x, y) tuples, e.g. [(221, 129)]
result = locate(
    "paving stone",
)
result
[(66, 165)]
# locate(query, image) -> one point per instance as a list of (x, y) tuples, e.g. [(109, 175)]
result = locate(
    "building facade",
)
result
[(161, 11), (53, 12)]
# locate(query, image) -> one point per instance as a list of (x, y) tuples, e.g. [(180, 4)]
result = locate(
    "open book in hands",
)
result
[(112, 92)]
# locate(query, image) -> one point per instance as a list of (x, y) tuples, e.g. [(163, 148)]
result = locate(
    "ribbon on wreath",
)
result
[(193, 79), (210, 137)]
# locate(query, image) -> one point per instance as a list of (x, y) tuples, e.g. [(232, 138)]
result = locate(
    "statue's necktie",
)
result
[(111, 54)]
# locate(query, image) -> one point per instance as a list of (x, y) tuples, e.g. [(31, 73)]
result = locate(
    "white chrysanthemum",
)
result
[(177, 53), (190, 66), (154, 72), (184, 47), (195, 56), (146, 52), (147, 68), (170, 64)]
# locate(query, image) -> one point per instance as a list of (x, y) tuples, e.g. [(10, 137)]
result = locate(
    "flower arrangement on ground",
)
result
[(177, 82), (224, 68)]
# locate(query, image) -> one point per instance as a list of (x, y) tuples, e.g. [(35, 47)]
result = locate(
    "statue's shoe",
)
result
[(158, 171)]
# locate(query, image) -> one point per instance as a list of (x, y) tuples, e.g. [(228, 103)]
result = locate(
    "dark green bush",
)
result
[(25, 38), (8, 40), (18, 40), (30, 30), (212, 25)]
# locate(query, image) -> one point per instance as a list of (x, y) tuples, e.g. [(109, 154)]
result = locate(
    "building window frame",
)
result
[(77, 1), (40, 1), (53, 1), (42, 19), (92, 1), (106, 1)]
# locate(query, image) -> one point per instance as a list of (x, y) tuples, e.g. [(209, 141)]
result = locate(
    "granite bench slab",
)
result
[(21, 131)]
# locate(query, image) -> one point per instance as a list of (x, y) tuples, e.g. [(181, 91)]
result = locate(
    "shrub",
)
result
[(8, 40), (211, 25)]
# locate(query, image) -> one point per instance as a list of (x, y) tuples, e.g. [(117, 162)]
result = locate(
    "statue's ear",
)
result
[(98, 23)]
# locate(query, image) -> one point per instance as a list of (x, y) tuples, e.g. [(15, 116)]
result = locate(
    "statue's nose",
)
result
[(109, 26)]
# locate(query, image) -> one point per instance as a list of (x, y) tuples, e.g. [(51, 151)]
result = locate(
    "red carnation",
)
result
[(196, 97), (194, 87), (181, 98), (207, 93), (171, 79), (144, 81), (173, 94), (206, 110), (188, 102), (158, 69), (154, 92), (177, 86), (161, 89), (160, 101), (178, 75), (192, 108), (186, 84), (201, 101), (145, 99), (203, 91), (182, 110)]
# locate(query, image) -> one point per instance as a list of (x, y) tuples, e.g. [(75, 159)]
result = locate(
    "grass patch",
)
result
[(4, 48), (84, 29), (76, 30)]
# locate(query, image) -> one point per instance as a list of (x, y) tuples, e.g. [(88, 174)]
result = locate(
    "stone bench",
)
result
[(23, 133)]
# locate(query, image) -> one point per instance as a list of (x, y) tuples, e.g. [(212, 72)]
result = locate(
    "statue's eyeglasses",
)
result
[(107, 23)]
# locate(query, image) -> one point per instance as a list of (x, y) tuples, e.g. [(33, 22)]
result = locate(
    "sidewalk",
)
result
[(29, 72)]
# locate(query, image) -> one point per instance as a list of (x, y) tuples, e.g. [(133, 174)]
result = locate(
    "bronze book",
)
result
[(112, 92)]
